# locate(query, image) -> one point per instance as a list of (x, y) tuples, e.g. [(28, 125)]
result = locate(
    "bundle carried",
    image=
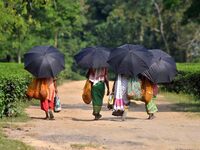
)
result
[(147, 90), (86, 96), (140, 89), (38, 89)]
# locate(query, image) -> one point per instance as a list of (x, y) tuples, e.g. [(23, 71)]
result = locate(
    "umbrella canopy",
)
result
[(163, 68), (44, 61), (130, 59), (93, 57)]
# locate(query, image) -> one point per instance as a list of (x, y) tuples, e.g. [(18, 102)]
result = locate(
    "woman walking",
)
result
[(149, 96), (98, 77), (120, 95), (48, 104)]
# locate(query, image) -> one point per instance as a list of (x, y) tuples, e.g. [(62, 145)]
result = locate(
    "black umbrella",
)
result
[(130, 59), (93, 57), (163, 68), (44, 61)]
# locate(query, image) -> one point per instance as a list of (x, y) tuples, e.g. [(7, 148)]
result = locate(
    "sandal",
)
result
[(151, 116), (117, 113), (51, 116), (47, 116), (97, 116)]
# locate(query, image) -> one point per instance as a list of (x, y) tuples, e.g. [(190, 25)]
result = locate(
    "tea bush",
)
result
[(13, 84), (187, 79)]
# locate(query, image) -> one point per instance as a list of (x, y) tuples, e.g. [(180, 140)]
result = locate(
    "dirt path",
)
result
[(74, 127)]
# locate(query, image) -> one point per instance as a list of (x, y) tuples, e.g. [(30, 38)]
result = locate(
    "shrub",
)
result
[(187, 79), (13, 84)]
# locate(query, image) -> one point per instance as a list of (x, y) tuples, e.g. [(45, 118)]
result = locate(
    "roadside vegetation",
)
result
[(8, 144), (183, 102)]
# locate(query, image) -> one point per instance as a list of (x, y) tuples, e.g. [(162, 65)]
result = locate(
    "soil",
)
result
[(75, 128)]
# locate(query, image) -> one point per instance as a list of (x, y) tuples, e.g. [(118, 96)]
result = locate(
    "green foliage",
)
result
[(13, 84), (15, 25), (187, 80), (28, 23), (169, 4), (72, 25), (193, 12), (115, 23), (188, 67), (68, 74)]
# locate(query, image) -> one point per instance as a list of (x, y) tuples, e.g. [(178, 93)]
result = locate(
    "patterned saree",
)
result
[(151, 106)]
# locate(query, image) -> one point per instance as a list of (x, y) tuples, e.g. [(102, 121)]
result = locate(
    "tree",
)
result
[(192, 14)]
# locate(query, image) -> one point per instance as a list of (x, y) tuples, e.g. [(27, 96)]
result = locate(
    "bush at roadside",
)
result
[(187, 79), (13, 84)]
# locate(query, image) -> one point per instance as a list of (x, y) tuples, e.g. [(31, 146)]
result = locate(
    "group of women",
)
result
[(99, 78)]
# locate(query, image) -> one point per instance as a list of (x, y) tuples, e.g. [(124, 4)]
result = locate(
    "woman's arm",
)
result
[(113, 88), (55, 85), (107, 85), (107, 82), (88, 74)]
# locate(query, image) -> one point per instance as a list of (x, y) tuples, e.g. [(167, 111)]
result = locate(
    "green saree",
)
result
[(98, 91)]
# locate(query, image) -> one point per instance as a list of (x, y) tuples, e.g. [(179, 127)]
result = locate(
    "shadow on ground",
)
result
[(176, 107), (117, 119)]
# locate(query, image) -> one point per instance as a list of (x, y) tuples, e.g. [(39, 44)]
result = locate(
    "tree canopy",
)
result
[(69, 25)]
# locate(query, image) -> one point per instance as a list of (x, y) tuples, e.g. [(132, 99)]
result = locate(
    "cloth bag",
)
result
[(110, 101), (134, 89), (57, 104), (87, 96)]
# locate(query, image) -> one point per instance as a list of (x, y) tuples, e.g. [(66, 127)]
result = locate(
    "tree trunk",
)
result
[(161, 26), (19, 58), (56, 39), (141, 34), (19, 49)]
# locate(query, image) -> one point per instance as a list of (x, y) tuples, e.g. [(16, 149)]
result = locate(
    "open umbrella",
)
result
[(163, 68), (93, 57), (130, 59), (44, 61)]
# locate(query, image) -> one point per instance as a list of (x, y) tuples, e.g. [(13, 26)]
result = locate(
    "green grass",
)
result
[(183, 102), (9, 122), (8, 144), (35, 102), (21, 116), (189, 67)]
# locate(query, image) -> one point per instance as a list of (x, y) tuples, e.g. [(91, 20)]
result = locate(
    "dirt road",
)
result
[(74, 127)]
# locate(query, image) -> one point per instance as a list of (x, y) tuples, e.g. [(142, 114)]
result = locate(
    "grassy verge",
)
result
[(183, 102), (9, 144), (21, 115), (9, 122)]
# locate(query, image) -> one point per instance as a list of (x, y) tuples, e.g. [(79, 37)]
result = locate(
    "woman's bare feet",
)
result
[(47, 116), (151, 116), (97, 116), (51, 116)]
